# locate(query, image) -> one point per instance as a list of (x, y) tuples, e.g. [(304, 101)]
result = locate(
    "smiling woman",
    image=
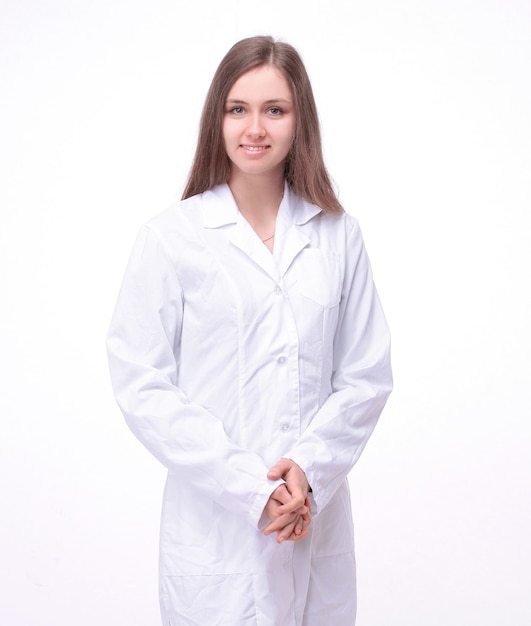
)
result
[(257, 136), (257, 128), (304, 170), (250, 354)]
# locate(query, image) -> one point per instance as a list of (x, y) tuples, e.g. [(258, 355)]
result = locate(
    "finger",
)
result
[(304, 534), (307, 517), (297, 535), (307, 506), (287, 532), (279, 523), (297, 502), (294, 530), (282, 494)]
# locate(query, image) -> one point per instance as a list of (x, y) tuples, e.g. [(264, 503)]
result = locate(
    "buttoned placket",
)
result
[(287, 362), (290, 240)]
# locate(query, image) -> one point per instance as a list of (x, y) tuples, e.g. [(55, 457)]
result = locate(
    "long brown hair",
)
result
[(305, 171)]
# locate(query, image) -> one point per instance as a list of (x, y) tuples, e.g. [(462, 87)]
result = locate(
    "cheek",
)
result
[(290, 132), (228, 143), (224, 133), (231, 133), (289, 135)]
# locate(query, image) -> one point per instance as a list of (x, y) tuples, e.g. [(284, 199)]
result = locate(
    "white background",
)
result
[(425, 108)]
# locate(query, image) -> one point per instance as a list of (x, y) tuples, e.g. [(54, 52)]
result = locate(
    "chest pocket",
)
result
[(317, 276)]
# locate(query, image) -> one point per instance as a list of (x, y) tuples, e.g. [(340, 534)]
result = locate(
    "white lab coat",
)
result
[(225, 358)]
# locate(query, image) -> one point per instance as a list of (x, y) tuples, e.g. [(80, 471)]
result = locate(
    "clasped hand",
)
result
[(288, 507)]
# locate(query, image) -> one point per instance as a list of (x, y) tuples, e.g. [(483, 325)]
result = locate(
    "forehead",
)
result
[(261, 83)]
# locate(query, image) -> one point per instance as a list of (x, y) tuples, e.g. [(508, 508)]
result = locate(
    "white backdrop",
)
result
[(425, 107)]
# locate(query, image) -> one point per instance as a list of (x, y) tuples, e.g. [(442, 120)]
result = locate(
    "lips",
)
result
[(254, 148)]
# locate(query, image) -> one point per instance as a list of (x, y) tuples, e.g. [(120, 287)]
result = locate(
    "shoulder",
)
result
[(177, 214), (338, 225), (183, 228), (180, 224), (211, 208)]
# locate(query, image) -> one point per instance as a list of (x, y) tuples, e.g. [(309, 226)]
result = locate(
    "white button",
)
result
[(282, 360), (277, 290), (284, 427)]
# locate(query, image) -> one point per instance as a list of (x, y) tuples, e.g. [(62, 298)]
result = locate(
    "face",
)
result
[(259, 122)]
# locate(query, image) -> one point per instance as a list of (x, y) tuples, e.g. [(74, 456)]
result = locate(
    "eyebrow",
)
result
[(270, 101)]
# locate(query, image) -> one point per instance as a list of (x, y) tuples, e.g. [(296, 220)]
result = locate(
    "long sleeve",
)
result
[(361, 382), (143, 350)]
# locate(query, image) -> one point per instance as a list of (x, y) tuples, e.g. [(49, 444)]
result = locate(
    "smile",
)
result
[(255, 148)]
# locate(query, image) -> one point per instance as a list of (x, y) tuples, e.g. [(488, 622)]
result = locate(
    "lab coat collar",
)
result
[(295, 210), (219, 209)]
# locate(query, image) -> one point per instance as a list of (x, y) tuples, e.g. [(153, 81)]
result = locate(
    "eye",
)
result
[(275, 110), (236, 110)]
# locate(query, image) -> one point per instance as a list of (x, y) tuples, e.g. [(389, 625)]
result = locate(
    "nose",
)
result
[(255, 128)]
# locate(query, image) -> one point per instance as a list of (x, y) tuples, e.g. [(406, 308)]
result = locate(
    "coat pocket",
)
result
[(216, 600), (318, 276)]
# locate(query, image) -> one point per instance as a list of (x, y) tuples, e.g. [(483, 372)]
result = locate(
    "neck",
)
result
[(257, 197)]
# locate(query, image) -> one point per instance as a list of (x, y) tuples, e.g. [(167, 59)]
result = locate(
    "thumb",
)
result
[(279, 469)]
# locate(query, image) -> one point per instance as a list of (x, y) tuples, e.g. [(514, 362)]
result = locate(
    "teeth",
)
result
[(255, 148)]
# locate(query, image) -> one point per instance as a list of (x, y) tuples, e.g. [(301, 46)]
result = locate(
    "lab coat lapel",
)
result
[(219, 211), (291, 238), (243, 237), (293, 242)]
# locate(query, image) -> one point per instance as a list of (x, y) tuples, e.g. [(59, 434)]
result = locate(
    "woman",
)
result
[(249, 353)]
